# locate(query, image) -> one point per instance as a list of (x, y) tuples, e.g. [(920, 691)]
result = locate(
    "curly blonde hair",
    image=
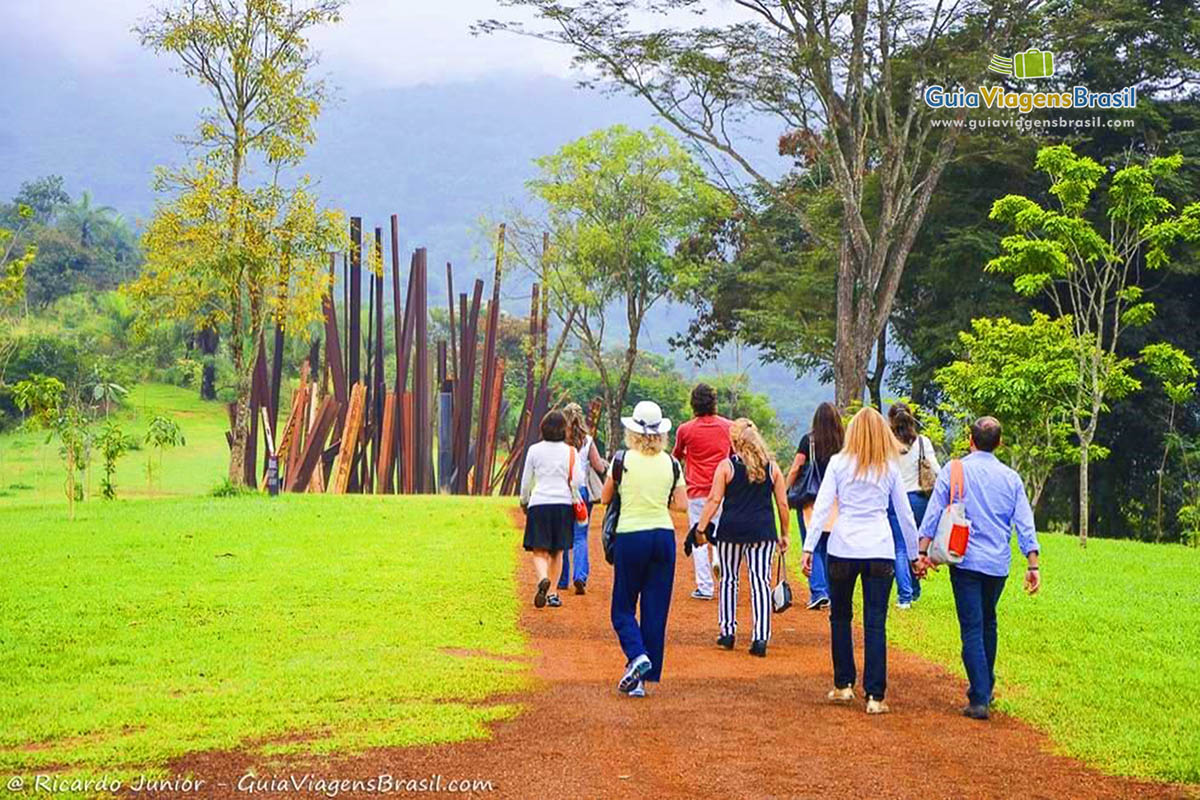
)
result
[(749, 446), (577, 432), (648, 444)]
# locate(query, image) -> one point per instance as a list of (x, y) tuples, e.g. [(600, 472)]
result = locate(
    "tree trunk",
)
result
[(849, 373), (875, 382), (1083, 490), (241, 414)]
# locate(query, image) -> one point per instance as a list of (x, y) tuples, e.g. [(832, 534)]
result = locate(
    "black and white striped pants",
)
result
[(758, 557)]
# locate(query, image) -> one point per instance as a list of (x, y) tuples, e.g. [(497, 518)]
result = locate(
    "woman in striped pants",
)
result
[(743, 487)]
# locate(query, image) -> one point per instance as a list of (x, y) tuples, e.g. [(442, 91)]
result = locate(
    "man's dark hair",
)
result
[(985, 433), (704, 400), (554, 427)]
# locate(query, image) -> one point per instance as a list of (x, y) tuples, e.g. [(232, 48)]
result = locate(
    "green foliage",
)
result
[(1090, 277), (227, 488), (15, 258), (113, 443), (45, 400), (627, 211), (162, 434), (224, 252), (1027, 377)]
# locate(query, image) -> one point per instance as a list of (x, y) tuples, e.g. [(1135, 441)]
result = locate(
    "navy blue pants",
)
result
[(643, 574), (975, 599), (876, 574)]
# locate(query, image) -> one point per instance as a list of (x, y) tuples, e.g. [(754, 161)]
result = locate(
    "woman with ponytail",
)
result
[(743, 487)]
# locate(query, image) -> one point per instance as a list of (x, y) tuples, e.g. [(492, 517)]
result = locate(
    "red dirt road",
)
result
[(726, 725)]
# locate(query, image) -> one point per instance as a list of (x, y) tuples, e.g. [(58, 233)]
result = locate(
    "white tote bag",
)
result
[(954, 529)]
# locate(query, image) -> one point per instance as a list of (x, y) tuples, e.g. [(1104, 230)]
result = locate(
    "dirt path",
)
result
[(726, 725)]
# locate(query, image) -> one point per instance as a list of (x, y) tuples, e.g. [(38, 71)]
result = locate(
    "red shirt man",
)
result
[(702, 443)]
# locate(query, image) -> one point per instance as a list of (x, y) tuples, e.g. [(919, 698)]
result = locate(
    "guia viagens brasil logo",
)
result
[(1031, 64)]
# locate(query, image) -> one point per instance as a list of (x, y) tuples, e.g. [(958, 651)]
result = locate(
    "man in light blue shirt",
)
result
[(995, 504)]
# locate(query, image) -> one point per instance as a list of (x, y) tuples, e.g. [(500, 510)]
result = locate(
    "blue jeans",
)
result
[(876, 576), (579, 549), (818, 582), (908, 586), (643, 575), (975, 599)]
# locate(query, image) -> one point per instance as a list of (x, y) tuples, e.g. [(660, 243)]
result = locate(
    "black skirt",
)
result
[(549, 527)]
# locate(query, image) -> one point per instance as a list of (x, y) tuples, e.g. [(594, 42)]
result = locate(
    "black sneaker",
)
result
[(580, 587), (975, 712), (554, 601), (758, 648), (539, 599), (725, 642)]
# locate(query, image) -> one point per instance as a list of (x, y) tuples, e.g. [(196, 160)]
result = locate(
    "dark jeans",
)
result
[(975, 599), (876, 586), (643, 576)]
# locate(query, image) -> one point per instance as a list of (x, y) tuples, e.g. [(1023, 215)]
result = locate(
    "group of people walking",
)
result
[(869, 498)]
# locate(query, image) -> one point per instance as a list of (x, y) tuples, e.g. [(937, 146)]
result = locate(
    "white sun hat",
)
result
[(647, 418)]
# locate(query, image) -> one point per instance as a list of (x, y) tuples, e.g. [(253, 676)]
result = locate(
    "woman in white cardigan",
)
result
[(550, 486)]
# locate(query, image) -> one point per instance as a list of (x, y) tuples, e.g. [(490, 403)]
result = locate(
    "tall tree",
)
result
[(846, 73), (622, 206), (222, 251), (1092, 276)]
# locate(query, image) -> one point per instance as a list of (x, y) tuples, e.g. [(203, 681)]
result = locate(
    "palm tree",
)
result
[(87, 219)]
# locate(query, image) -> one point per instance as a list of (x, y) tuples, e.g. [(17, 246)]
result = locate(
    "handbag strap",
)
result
[(780, 568), (958, 485), (571, 473)]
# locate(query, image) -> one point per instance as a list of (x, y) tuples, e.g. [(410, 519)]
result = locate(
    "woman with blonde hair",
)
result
[(593, 467), (649, 483), (863, 478), (746, 483)]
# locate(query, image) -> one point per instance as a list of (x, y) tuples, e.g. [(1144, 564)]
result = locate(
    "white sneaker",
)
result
[(904, 606), (633, 674), (841, 695), (699, 595), (876, 706), (639, 690)]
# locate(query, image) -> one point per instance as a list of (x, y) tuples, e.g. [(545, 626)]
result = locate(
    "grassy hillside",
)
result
[(1104, 658), (30, 469), (153, 628)]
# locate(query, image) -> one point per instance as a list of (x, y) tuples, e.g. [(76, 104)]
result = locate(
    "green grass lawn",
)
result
[(151, 628), (31, 471), (1105, 659)]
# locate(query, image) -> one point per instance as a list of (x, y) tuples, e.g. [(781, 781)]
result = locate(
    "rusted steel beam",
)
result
[(493, 424), (351, 435), (397, 330), (466, 382), (354, 337), (406, 416), (453, 372), (407, 333), (333, 356), (482, 456), (421, 395), (314, 445), (384, 469)]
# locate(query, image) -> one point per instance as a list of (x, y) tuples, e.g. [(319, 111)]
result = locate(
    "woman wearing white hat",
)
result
[(649, 483)]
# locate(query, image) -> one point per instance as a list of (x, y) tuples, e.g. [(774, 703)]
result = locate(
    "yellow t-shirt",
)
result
[(645, 492)]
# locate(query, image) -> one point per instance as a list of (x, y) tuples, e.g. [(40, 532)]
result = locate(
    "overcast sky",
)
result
[(379, 43)]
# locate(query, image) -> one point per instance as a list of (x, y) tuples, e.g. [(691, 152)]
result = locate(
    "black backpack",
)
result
[(612, 514)]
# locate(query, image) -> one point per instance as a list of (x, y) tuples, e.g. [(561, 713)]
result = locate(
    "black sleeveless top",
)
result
[(746, 514)]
